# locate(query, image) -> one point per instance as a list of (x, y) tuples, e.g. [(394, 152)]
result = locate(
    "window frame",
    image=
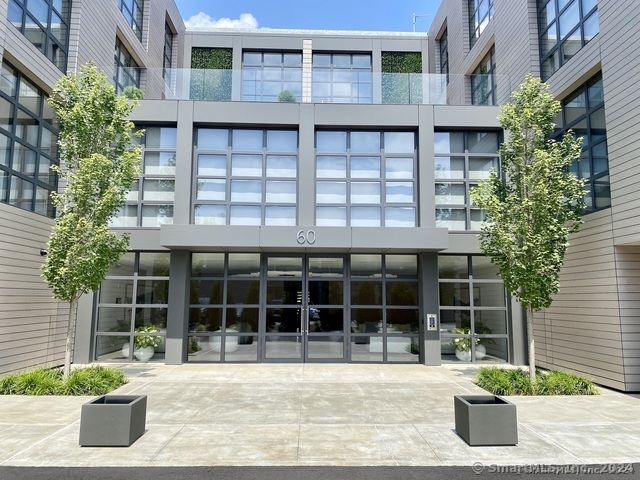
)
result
[(545, 27), (51, 40), (10, 174), (465, 180), (259, 82), (591, 107), (122, 69), (443, 48), (480, 80), (140, 202), (383, 180), (353, 72), (478, 21), (133, 12), (228, 178), (474, 337)]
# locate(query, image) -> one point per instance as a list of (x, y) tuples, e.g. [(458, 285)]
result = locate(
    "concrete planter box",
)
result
[(113, 420), (486, 420)]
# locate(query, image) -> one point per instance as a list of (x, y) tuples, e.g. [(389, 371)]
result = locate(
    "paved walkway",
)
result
[(317, 414)]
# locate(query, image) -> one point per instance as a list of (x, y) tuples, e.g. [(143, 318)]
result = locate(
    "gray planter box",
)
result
[(113, 420), (486, 420)]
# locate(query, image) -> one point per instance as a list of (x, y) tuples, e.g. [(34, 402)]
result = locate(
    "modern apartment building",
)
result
[(304, 195)]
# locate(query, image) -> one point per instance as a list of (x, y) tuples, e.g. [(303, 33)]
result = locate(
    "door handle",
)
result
[(304, 320)]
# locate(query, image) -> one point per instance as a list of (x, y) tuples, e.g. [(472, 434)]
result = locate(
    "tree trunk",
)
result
[(71, 335), (532, 349)]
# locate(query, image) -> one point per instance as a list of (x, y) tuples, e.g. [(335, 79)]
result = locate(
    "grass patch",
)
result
[(499, 381), (96, 380)]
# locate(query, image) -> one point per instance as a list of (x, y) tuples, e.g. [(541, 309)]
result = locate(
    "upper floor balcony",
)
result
[(317, 87)]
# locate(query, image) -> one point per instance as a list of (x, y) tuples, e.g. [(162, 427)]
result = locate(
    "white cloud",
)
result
[(246, 20)]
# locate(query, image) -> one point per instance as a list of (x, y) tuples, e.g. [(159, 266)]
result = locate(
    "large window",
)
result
[(443, 45), (483, 82), (583, 112), (462, 159), (246, 177), (473, 310), (132, 11), (265, 75), (45, 23), (342, 78), (565, 27), (28, 144), (224, 306), (366, 179), (384, 308), (126, 71), (480, 14), (134, 295), (149, 203), (167, 57)]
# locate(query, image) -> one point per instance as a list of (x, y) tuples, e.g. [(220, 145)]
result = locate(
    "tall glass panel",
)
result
[(133, 302), (473, 310)]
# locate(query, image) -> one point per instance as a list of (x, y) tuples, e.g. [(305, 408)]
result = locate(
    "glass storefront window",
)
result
[(473, 310), (134, 295)]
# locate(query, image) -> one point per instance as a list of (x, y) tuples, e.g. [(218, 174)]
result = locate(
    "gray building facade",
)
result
[(310, 230), (304, 195)]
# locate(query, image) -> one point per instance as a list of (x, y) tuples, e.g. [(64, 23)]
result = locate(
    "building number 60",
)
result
[(308, 237)]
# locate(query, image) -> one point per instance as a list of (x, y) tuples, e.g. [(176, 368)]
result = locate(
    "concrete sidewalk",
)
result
[(317, 414)]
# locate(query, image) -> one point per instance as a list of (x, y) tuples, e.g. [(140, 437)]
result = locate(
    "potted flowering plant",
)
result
[(463, 345), (144, 345)]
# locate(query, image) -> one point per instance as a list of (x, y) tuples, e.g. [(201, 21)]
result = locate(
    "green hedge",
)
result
[(211, 74), (401, 77), (401, 62), (97, 380), (212, 58), (501, 381)]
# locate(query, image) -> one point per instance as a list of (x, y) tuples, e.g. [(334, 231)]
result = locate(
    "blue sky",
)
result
[(382, 15)]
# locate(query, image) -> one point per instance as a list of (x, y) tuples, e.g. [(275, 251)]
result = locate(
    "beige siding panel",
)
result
[(32, 324), (581, 330), (628, 263), (619, 39)]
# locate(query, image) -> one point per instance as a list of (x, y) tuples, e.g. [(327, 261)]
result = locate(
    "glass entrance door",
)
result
[(305, 309)]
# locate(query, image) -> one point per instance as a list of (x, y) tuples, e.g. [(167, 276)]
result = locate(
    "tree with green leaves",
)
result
[(98, 165), (533, 206)]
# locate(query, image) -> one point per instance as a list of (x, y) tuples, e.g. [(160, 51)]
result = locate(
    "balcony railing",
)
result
[(355, 87)]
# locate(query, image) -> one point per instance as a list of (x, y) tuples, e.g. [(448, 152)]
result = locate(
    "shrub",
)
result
[(41, 381), (97, 380), (504, 382), (133, 93), (286, 96), (500, 381), (564, 383)]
